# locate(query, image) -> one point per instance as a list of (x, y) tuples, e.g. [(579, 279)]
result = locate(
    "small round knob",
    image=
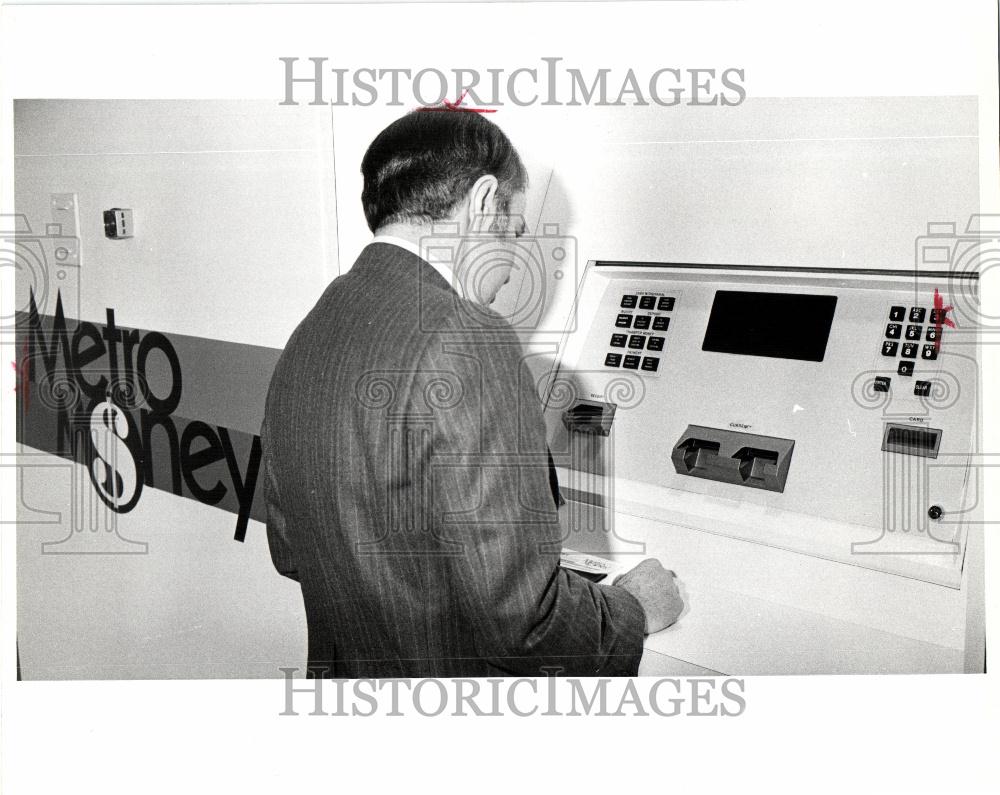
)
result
[(935, 512)]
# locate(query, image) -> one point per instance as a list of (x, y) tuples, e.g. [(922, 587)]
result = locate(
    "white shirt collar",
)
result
[(438, 264)]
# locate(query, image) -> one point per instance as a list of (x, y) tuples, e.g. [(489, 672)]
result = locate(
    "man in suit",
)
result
[(405, 464)]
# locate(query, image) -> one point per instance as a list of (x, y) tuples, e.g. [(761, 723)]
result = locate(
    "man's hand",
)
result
[(656, 590)]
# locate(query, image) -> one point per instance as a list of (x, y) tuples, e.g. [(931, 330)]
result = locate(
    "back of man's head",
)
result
[(421, 166)]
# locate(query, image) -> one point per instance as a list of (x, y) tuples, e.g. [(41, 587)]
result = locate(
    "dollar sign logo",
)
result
[(113, 469)]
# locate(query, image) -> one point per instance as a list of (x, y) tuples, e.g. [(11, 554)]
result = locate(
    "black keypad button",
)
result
[(612, 359), (932, 334), (650, 364), (618, 340), (917, 314), (892, 331), (905, 368), (922, 389), (628, 301), (631, 362), (882, 383), (623, 321), (655, 343), (660, 323), (937, 316), (929, 352), (896, 313), (909, 350), (889, 348), (647, 302), (636, 341), (642, 321), (914, 332), (665, 304)]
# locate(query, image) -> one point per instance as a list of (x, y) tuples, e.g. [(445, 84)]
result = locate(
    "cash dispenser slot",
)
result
[(590, 416), (744, 459)]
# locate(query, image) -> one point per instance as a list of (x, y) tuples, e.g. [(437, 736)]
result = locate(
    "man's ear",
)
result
[(482, 202)]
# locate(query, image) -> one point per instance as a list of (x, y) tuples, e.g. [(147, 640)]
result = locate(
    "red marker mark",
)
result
[(21, 369), (454, 106), (941, 311)]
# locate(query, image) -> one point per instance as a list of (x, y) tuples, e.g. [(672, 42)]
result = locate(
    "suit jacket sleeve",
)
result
[(277, 529), (493, 508)]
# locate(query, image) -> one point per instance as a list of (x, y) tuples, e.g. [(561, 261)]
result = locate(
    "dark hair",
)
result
[(420, 166)]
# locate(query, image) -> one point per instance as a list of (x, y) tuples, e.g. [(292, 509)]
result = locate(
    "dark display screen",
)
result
[(779, 325)]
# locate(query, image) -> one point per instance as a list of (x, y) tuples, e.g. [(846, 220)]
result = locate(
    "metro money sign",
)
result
[(107, 398)]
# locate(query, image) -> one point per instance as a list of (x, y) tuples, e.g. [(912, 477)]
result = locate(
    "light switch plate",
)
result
[(65, 226)]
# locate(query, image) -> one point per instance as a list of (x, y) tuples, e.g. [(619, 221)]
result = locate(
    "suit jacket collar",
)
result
[(442, 268)]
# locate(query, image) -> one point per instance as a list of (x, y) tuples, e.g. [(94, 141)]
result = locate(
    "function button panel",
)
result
[(640, 311)]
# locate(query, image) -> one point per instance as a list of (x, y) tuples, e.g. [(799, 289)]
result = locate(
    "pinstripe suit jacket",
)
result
[(406, 477)]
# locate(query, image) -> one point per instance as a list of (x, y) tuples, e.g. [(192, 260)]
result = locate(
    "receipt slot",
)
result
[(590, 416), (797, 443)]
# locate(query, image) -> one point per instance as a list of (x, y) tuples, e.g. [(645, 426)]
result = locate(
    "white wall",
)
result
[(234, 209)]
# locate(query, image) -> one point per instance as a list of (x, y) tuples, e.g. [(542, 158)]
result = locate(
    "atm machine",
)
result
[(799, 445)]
